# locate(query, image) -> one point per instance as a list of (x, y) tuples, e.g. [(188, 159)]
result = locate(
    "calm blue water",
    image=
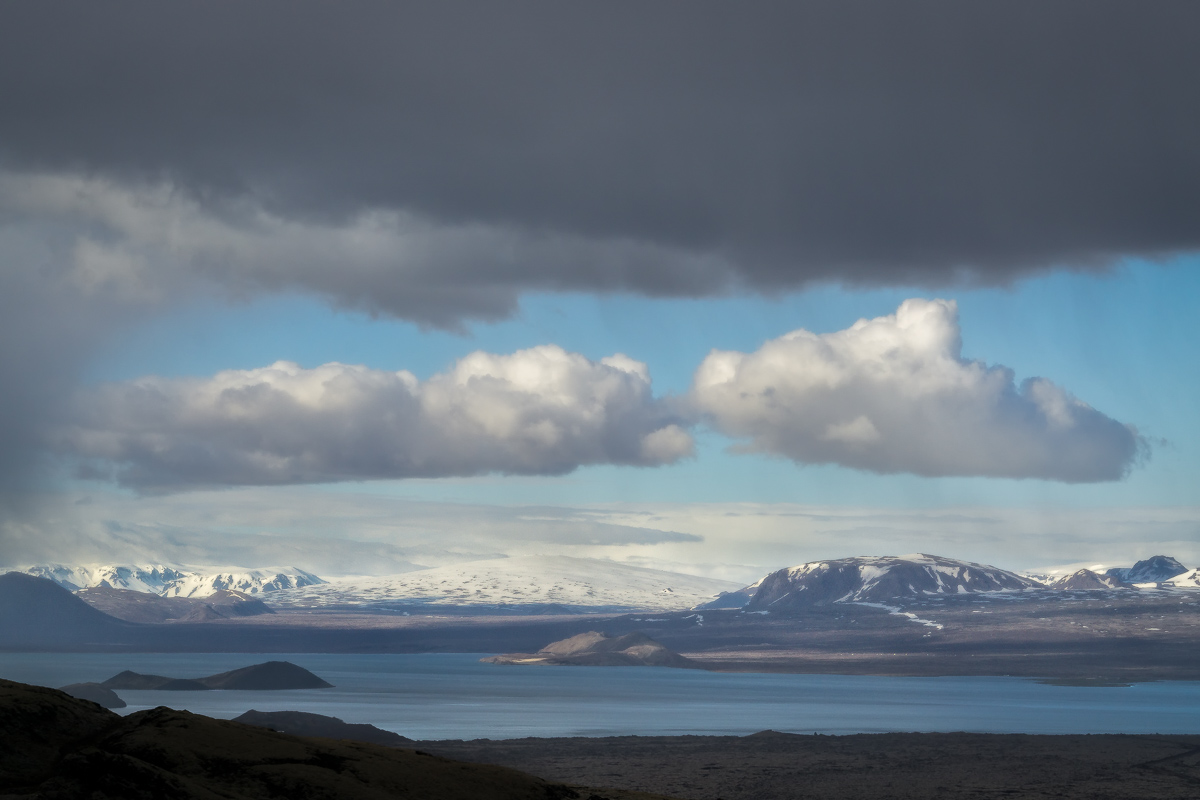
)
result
[(453, 696)]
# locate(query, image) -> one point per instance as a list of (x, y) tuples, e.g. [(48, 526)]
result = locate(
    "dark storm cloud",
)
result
[(434, 161), (786, 143)]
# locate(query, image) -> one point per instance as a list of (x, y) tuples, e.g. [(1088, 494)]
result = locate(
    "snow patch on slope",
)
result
[(1188, 580), (899, 612)]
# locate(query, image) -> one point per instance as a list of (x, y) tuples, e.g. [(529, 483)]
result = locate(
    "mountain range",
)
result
[(873, 579), (174, 581), (564, 585)]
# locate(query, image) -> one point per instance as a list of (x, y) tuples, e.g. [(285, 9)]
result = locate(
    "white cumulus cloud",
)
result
[(894, 394), (536, 411)]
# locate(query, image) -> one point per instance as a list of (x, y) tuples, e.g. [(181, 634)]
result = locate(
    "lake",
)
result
[(453, 696)]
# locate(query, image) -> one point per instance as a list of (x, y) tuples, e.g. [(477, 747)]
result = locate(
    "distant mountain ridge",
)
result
[(874, 579), (1086, 580), (174, 581), (134, 606)]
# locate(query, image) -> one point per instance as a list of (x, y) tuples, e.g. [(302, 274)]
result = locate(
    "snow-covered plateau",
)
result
[(565, 581)]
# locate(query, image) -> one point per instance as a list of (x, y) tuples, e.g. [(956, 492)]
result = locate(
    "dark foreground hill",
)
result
[(302, 723), (56, 747)]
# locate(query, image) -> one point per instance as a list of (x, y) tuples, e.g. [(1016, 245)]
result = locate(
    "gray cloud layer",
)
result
[(142, 244), (541, 411), (869, 142), (894, 394), (434, 161)]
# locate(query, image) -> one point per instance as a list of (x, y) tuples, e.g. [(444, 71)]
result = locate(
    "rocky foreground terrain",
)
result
[(53, 746), (56, 747), (898, 766)]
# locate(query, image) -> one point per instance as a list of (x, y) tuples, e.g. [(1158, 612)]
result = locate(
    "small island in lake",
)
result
[(595, 649), (269, 676)]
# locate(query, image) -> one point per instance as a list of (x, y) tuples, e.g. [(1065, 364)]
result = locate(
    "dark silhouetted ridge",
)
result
[(302, 723), (55, 746), (100, 695)]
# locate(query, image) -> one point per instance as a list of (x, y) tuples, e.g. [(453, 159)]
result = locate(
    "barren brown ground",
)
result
[(777, 766)]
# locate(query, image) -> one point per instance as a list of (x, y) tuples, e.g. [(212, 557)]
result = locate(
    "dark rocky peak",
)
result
[(1155, 569)]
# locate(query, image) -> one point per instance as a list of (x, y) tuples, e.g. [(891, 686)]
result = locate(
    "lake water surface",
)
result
[(453, 696)]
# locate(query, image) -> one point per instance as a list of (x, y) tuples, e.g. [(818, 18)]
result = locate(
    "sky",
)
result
[(707, 287)]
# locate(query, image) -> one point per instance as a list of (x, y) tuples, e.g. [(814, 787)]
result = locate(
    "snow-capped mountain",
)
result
[(1156, 569), (872, 579), (574, 583), (1086, 580), (151, 578), (175, 581)]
